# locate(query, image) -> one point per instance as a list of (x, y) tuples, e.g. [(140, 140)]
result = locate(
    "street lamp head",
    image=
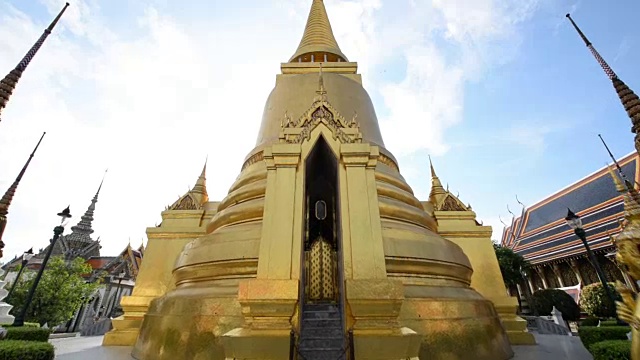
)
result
[(573, 220), (65, 214), (27, 255)]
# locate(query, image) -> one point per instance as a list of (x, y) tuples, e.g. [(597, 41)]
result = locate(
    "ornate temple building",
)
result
[(559, 258), (320, 249)]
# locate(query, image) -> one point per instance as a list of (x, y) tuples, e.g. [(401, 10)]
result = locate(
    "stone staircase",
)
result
[(321, 333)]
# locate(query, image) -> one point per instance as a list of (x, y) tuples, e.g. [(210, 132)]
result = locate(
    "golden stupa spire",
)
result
[(629, 99), (318, 43), (200, 189), (437, 190), (5, 201), (8, 84), (616, 180)]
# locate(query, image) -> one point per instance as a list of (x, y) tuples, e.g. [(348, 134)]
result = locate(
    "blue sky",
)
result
[(505, 97)]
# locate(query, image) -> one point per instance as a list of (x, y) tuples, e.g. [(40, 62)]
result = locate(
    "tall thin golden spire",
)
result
[(8, 84), (318, 43), (629, 99), (5, 201), (437, 190), (200, 188)]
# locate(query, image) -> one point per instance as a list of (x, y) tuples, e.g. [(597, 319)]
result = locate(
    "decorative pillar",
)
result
[(530, 284), (557, 273), (269, 302), (627, 279), (576, 270), (540, 271), (373, 299)]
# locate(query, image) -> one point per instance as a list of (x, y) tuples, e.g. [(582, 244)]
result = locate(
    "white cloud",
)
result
[(151, 99)]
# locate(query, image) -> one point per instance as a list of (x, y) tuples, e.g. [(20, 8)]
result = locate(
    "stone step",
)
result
[(321, 323), (319, 332), (323, 354), (320, 307), (320, 315), (327, 343)]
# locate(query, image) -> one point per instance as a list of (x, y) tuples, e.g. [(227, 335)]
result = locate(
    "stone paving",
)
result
[(550, 347)]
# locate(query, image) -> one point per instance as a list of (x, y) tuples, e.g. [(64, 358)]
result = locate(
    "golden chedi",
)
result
[(628, 257), (319, 237)]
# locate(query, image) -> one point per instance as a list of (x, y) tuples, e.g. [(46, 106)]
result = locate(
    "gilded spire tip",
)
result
[(433, 171), (318, 39)]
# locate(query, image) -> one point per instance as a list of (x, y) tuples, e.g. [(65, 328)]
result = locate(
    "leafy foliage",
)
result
[(26, 350), (510, 264), (28, 333), (611, 350), (595, 302), (60, 293), (590, 335), (544, 301)]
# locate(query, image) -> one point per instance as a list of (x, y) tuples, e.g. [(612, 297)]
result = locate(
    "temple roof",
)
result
[(195, 198), (541, 234), (318, 38), (441, 198)]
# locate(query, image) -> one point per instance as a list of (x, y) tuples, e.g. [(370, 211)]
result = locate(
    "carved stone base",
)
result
[(514, 326), (375, 306), (380, 344), (256, 344), (126, 328), (267, 306)]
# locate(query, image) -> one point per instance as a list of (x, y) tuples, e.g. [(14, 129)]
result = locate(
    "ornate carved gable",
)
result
[(186, 202), (321, 112), (451, 203)]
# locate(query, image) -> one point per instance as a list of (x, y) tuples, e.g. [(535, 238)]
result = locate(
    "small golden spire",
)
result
[(318, 39), (321, 93), (201, 184), (438, 193), (616, 180), (8, 84)]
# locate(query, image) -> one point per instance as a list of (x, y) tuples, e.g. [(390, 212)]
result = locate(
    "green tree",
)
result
[(510, 264), (60, 293), (595, 302), (544, 301)]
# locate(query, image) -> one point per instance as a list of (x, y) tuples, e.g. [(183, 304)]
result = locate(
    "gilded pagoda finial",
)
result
[(629, 99), (616, 180), (194, 198), (321, 93), (628, 257), (318, 39), (5, 201), (8, 84), (200, 187)]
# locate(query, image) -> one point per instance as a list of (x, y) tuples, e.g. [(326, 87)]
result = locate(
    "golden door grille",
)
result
[(320, 269)]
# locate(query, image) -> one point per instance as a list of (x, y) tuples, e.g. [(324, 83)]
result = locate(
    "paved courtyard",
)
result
[(550, 347)]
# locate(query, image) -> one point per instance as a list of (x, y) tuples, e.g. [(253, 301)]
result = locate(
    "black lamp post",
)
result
[(115, 299), (25, 259), (57, 231), (527, 294), (575, 223)]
